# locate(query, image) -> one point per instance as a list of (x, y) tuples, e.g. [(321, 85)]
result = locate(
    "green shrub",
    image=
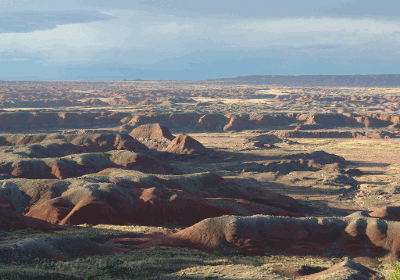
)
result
[(396, 273)]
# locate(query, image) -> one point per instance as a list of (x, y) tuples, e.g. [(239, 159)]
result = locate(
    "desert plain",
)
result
[(223, 179)]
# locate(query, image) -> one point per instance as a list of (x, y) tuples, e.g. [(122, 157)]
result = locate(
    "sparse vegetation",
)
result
[(235, 115)]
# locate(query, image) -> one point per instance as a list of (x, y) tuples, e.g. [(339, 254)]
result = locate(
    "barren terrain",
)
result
[(198, 180)]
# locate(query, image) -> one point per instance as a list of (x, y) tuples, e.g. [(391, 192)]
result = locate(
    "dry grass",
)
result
[(151, 263)]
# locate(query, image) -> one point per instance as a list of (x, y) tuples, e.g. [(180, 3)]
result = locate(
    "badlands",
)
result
[(226, 179)]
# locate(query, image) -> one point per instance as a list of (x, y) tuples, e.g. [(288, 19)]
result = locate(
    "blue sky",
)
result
[(198, 39)]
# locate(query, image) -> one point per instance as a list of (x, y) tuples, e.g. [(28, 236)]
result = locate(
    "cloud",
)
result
[(310, 31), (207, 39), (221, 8), (23, 22), (139, 37)]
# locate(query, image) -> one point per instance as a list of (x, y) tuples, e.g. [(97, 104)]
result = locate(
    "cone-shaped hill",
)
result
[(184, 144)]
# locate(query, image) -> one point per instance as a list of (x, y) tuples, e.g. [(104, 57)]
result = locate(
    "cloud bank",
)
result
[(165, 39)]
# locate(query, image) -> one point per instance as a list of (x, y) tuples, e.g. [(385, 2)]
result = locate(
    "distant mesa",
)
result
[(319, 80)]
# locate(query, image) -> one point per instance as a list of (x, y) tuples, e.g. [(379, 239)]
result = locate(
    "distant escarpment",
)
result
[(320, 80)]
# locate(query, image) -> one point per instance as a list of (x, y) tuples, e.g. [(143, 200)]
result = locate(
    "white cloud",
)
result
[(169, 27)]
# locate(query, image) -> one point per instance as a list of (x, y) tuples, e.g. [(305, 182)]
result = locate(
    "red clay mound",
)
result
[(95, 210), (151, 131), (12, 220), (32, 169), (354, 235), (126, 142), (184, 144), (171, 207), (60, 169), (53, 210), (24, 139), (116, 196), (58, 144), (81, 164)]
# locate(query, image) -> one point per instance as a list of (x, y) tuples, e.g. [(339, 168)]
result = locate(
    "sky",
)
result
[(196, 39)]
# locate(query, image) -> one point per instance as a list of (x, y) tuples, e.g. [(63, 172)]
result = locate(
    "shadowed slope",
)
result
[(12, 220)]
